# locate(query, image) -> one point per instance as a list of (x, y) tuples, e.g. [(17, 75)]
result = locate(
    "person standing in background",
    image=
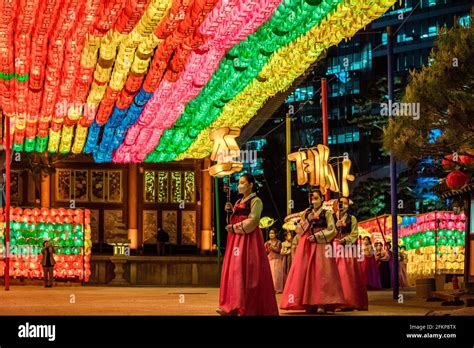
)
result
[(161, 239), (383, 263), (273, 248), (402, 267), (47, 261), (286, 252), (369, 266)]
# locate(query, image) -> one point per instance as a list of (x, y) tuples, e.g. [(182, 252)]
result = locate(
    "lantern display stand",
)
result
[(435, 243), (119, 259), (69, 232)]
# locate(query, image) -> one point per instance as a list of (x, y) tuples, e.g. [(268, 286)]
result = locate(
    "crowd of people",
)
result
[(323, 266)]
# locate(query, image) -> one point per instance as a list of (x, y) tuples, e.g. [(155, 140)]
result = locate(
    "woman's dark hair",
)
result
[(314, 189), (251, 180), (45, 242), (368, 238)]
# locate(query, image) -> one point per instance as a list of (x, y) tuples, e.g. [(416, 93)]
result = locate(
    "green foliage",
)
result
[(445, 92), (372, 197)]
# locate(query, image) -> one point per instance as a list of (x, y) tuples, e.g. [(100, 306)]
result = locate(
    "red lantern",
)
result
[(448, 163), (466, 160), (456, 179)]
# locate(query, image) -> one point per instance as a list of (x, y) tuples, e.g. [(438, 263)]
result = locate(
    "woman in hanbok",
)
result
[(402, 267), (383, 264), (313, 283), (273, 248), (369, 266), (286, 255), (246, 286), (352, 279)]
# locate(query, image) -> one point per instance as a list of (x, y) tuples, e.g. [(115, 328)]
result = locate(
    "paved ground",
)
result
[(89, 300)]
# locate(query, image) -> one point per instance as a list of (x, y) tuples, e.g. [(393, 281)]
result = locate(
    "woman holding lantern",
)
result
[(246, 286), (352, 280), (314, 283)]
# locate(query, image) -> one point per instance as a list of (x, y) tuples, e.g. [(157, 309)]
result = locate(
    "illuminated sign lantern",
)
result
[(312, 167), (225, 152)]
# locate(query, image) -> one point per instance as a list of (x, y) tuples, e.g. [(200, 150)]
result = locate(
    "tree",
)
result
[(372, 197), (369, 99), (445, 93)]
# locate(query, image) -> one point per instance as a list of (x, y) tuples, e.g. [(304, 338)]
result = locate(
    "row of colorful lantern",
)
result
[(134, 52), (232, 76), (184, 26), (283, 66), (240, 54), (433, 221)]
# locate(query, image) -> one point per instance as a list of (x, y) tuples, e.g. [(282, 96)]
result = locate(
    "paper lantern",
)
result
[(448, 163), (466, 160), (456, 179)]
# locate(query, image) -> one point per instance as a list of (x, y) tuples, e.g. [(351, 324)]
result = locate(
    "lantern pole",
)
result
[(393, 169), (288, 163), (7, 201), (84, 247), (324, 104), (218, 223)]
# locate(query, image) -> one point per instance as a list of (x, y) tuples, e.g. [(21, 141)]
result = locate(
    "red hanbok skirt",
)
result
[(246, 280), (352, 281), (313, 278), (371, 273)]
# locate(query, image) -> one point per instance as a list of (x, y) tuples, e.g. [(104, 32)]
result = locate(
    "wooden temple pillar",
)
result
[(132, 190), (206, 201), (45, 191)]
